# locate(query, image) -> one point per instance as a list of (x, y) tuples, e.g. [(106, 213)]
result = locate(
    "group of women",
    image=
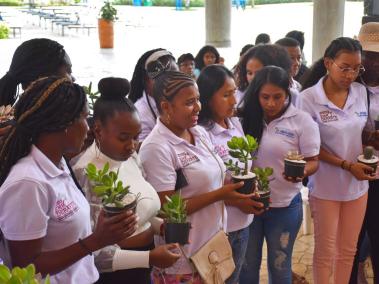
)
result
[(169, 126)]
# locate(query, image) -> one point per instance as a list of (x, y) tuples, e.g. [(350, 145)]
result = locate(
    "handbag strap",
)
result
[(222, 181)]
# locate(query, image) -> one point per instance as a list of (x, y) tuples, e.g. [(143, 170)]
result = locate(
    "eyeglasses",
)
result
[(348, 70)]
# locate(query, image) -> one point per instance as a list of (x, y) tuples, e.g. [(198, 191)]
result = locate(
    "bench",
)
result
[(84, 27), (15, 29)]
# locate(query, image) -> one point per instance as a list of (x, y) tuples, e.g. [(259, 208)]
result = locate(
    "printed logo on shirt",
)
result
[(361, 113), (65, 209), (221, 150), (285, 132), (328, 116), (187, 158)]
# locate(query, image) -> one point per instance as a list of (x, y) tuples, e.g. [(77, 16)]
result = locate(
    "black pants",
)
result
[(371, 225), (132, 276)]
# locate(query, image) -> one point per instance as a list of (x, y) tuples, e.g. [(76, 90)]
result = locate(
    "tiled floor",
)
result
[(302, 261)]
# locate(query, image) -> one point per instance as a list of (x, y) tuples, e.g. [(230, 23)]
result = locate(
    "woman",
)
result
[(177, 147), (217, 89), (339, 189), (148, 66), (207, 55), (53, 229), (116, 129), (254, 60), (279, 127)]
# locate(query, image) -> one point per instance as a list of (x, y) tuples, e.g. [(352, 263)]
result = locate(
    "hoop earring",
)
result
[(97, 149)]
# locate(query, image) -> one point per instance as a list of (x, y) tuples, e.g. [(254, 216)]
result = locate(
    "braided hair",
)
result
[(33, 59), (168, 84), (48, 105)]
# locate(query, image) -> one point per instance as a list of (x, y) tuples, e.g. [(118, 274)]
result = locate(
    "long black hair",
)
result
[(112, 99), (33, 59), (211, 79), (199, 59), (252, 112), (268, 54), (318, 69), (48, 105)]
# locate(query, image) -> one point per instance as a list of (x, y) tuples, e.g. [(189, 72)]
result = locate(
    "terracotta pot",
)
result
[(105, 33)]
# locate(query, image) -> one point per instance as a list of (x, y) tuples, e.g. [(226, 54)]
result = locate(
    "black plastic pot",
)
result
[(376, 124), (248, 186), (373, 165), (263, 198), (293, 168), (177, 233), (111, 210)]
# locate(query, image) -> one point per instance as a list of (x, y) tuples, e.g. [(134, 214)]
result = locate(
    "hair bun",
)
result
[(112, 88)]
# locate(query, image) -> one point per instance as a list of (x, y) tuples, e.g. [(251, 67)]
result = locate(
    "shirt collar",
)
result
[(218, 129), (322, 99), (171, 137), (46, 165)]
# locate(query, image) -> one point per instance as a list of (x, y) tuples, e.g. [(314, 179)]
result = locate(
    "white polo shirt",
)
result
[(294, 130), (146, 115), (341, 131), (219, 136), (39, 200), (162, 152), (239, 95)]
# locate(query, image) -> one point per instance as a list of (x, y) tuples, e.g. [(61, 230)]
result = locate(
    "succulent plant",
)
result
[(368, 152), (175, 209), (6, 113), (294, 155), (263, 175), (26, 275)]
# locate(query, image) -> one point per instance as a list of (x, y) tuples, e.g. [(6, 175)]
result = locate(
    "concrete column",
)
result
[(328, 18), (218, 22)]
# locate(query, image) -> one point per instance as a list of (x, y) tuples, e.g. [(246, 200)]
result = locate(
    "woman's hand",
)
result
[(361, 171), (294, 179), (111, 230), (228, 192), (249, 206), (164, 256)]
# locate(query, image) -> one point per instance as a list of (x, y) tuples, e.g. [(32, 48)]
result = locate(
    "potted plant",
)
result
[(115, 197), (6, 115), (368, 158), (175, 214), (242, 148), (26, 275), (92, 96), (263, 190), (294, 164), (376, 123), (107, 17)]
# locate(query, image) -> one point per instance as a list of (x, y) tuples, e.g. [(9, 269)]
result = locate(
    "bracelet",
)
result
[(343, 164), (83, 245)]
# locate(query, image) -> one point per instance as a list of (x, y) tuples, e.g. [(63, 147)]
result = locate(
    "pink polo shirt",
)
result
[(294, 130), (161, 153), (341, 131), (219, 136)]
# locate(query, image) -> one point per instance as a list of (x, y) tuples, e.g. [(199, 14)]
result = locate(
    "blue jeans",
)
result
[(238, 241), (279, 226)]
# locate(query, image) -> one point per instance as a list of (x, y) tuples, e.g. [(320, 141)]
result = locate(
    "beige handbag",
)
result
[(214, 260)]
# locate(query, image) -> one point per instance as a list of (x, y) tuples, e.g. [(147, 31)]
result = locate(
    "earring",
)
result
[(168, 119), (97, 149)]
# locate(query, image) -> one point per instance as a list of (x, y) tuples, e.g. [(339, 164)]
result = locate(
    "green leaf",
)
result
[(101, 190), (14, 280), (47, 279), (105, 169), (91, 168), (19, 273), (5, 273)]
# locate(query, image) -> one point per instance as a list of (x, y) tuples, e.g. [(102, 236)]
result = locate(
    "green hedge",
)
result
[(10, 3), (4, 31)]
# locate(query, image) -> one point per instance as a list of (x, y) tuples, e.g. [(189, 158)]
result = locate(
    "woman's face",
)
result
[(209, 58), (183, 111), (222, 103), (118, 137), (272, 100), (295, 55), (344, 68), (77, 132), (253, 65), (370, 61)]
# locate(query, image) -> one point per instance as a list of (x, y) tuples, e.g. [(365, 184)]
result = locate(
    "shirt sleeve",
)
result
[(24, 210), (159, 166), (309, 139)]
